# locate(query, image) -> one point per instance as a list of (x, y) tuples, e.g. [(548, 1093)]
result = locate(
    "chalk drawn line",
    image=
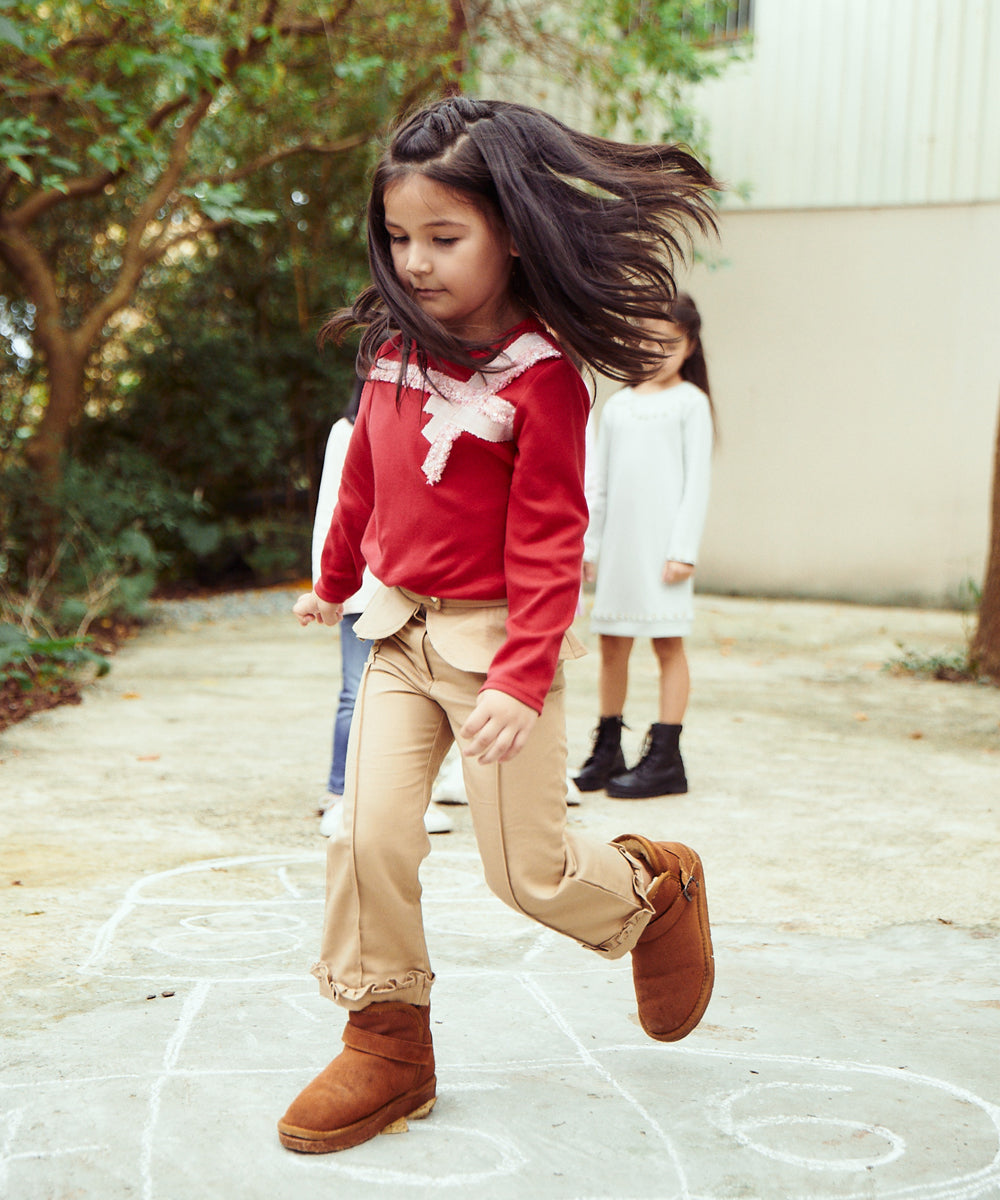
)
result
[(886, 1146)]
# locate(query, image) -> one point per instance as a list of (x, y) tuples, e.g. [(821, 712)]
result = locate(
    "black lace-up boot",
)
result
[(660, 771), (606, 758)]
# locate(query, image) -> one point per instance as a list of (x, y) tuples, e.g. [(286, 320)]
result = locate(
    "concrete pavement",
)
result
[(162, 885)]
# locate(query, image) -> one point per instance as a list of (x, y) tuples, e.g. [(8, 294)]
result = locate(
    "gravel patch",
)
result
[(226, 606)]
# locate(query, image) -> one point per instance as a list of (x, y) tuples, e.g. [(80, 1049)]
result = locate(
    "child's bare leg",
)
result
[(675, 679), (613, 686), (660, 771), (606, 759)]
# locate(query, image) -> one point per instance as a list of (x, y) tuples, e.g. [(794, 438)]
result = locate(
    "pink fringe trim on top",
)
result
[(467, 406)]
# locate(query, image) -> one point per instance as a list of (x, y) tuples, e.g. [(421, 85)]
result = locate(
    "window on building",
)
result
[(735, 22)]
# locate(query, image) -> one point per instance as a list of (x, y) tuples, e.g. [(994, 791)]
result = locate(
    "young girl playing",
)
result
[(503, 246), (648, 499)]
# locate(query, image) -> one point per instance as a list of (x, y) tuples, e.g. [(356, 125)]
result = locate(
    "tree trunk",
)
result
[(64, 352), (45, 450), (986, 643)]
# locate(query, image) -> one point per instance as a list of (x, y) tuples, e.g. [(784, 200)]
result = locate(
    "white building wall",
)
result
[(853, 319), (861, 103), (852, 310)]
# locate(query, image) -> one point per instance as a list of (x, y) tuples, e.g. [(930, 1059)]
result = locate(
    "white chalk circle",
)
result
[(230, 936), (788, 1128), (464, 1145)]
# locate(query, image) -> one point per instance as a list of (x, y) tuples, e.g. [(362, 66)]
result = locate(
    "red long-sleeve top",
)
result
[(501, 519)]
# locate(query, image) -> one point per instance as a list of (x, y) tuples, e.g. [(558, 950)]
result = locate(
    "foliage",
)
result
[(37, 668), (952, 666), (230, 418), (631, 62), (103, 565), (43, 662), (99, 91), (133, 135)]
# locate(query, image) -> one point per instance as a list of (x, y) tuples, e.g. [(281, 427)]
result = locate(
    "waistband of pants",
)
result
[(440, 604)]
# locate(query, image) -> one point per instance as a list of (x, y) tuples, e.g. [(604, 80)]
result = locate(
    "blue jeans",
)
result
[(353, 656)]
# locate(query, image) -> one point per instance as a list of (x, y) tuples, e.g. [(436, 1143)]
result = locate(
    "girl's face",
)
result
[(454, 259), (670, 359)]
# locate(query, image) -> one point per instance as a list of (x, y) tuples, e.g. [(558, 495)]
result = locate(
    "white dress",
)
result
[(648, 498)]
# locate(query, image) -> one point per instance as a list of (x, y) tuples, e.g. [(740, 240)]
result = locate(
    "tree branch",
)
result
[(134, 260), (158, 248), (92, 41), (267, 160), (166, 111), (318, 26), (76, 189), (29, 264)]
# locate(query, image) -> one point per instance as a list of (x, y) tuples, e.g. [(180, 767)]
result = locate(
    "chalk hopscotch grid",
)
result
[(509, 1160)]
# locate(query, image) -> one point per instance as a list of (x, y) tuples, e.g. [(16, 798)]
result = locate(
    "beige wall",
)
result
[(855, 364)]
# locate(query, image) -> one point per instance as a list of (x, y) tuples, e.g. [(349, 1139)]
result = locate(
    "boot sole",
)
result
[(391, 1118), (630, 795)]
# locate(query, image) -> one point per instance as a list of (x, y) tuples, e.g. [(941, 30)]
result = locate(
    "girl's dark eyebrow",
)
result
[(431, 224)]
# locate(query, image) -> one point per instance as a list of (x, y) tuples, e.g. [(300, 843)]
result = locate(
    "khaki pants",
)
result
[(410, 706)]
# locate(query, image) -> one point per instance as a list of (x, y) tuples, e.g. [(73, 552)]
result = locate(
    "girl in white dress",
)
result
[(648, 499)]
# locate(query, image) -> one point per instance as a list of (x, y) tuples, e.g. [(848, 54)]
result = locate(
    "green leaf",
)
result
[(137, 545), (224, 203), (103, 154), (10, 33), (12, 636), (22, 169), (101, 95), (200, 538)]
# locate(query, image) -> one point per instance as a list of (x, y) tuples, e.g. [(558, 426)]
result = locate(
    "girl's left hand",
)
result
[(677, 572), (311, 608), (498, 727)]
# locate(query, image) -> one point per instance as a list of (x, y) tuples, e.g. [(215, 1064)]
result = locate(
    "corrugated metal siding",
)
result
[(845, 103)]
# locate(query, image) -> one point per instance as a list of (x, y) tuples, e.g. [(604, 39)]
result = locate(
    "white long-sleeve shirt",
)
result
[(326, 502)]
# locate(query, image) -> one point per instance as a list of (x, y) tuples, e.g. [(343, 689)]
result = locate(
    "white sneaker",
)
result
[(436, 821), (449, 787), (330, 820)]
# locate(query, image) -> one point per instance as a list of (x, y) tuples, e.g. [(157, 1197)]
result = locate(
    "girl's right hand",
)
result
[(677, 572), (310, 607), (589, 572), (497, 728)]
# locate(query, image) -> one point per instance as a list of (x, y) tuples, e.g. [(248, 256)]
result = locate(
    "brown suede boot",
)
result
[(385, 1074), (672, 964)]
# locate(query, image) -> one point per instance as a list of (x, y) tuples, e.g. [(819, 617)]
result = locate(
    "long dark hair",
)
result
[(598, 226), (683, 312)]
